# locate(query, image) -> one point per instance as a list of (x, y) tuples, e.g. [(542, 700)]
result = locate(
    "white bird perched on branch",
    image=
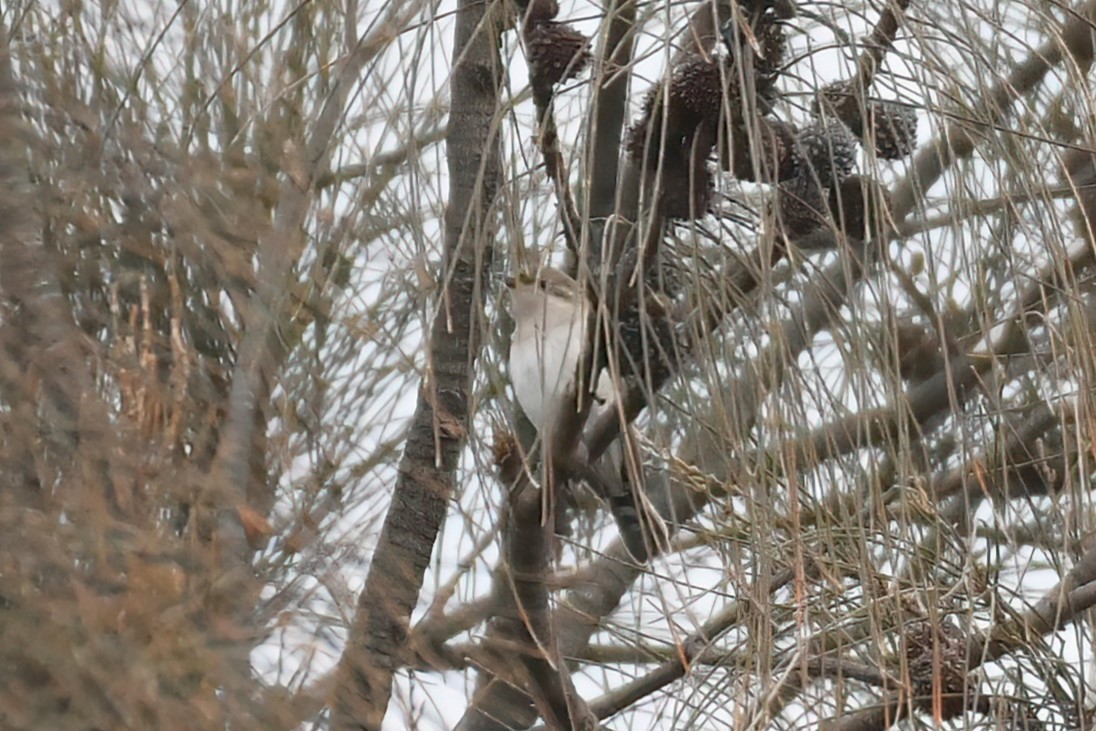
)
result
[(551, 312)]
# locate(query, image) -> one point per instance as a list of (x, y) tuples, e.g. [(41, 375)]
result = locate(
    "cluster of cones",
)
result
[(724, 101), (856, 204)]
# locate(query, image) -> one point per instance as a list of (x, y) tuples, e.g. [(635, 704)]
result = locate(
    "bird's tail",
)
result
[(642, 529)]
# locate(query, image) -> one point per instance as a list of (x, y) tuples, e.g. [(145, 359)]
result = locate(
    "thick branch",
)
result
[(610, 104), (383, 163), (524, 618), (439, 427)]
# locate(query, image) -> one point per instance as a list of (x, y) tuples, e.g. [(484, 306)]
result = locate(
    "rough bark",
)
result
[(439, 428), (609, 109), (524, 622)]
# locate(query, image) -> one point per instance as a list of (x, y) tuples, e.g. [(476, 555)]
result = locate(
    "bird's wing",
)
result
[(604, 393)]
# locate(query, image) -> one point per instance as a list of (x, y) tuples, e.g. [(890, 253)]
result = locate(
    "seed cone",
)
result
[(641, 136), (648, 343), (829, 151), (894, 130), (696, 87), (859, 206), (801, 206), (839, 101), (773, 43), (936, 657), (690, 111), (556, 51), (762, 58)]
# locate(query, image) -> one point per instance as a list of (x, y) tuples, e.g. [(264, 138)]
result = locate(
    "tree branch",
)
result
[(439, 426), (610, 104), (958, 139), (524, 618)]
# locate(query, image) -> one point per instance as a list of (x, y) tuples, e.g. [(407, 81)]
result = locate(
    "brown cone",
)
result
[(697, 87), (839, 101), (556, 51), (859, 206), (936, 657), (894, 130), (828, 151), (800, 206), (641, 137), (773, 44), (778, 159)]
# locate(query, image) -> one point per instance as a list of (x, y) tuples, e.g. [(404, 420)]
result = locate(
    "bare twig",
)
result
[(1058, 608), (690, 650), (383, 161)]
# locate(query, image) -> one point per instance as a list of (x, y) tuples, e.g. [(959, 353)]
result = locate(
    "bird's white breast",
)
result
[(544, 357)]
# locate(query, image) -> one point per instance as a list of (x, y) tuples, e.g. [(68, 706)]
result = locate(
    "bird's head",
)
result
[(530, 291), (549, 280)]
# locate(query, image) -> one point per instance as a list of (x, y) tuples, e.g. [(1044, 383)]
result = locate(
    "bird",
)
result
[(551, 314)]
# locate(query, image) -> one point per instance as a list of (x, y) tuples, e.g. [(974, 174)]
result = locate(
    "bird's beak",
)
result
[(523, 279)]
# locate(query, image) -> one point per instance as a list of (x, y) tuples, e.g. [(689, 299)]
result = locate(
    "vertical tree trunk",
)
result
[(439, 429)]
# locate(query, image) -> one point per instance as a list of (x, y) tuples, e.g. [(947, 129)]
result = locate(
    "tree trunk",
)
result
[(439, 428)]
